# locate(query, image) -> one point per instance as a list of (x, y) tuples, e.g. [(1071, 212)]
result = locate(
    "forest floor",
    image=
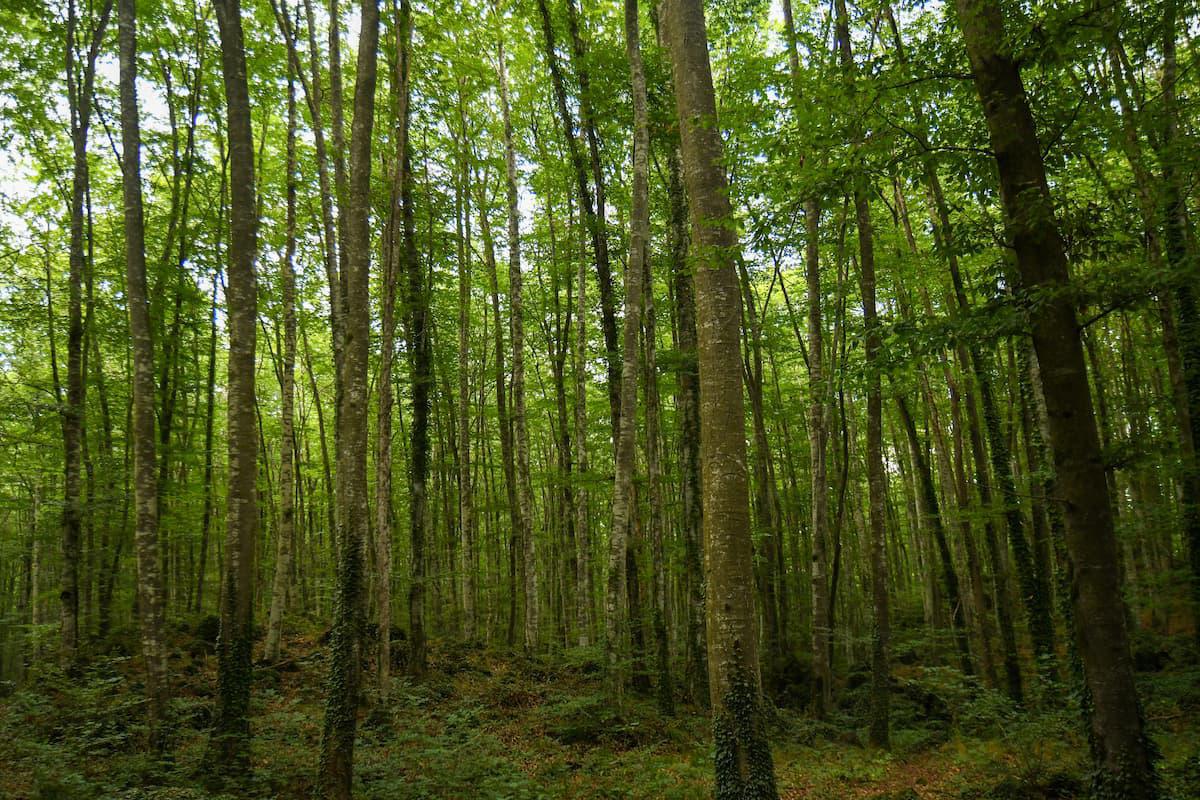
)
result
[(486, 724)]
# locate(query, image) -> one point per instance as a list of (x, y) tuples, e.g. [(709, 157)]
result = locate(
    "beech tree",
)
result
[(552, 381)]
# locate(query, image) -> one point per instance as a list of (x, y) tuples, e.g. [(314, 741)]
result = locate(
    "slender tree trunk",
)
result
[(524, 489), (149, 594), (593, 213), (392, 244), (466, 488), (336, 770), (654, 473), (584, 603), (287, 492), (687, 405), (234, 673), (743, 764), (927, 505), (417, 322), (624, 507), (1120, 747), (503, 420), (876, 477), (80, 81), (206, 513)]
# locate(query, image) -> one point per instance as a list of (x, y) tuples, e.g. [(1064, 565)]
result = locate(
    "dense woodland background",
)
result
[(486, 399)]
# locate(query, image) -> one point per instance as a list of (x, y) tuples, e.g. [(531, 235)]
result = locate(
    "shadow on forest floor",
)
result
[(489, 724)]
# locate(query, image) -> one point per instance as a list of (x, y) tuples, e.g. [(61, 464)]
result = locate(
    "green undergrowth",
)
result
[(494, 724)]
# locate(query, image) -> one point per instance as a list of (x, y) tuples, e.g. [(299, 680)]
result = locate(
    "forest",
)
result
[(749, 399)]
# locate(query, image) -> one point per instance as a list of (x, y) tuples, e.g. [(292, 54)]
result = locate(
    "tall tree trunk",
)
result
[(584, 603), (524, 490), (392, 244), (206, 513), (1181, 256), (927, 505), (743, 764), (687, 403), (665, 685), (336, 770), (624, 507), (822, 631), (421, 369), (466, 489), (287, 381), (231, 731), (876, 477), (1121, 751), (149, 586), (502, 415), (80, 81), (592, 217)]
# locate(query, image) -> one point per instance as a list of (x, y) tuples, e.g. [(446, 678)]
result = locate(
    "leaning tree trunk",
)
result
[(743, 765), (149, 580), (1121, 751), (231, 731)]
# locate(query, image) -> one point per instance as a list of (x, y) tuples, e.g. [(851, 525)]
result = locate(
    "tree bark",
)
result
[(1123, 758), (231, 731), (149, 586), (287, 381), (336, 770), (80, 96), (743, 765), (876, 476), (524, 489)]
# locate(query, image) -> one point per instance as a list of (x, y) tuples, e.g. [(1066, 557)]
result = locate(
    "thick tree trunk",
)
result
[(149, 585), (1121, 751), (743, 762)]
